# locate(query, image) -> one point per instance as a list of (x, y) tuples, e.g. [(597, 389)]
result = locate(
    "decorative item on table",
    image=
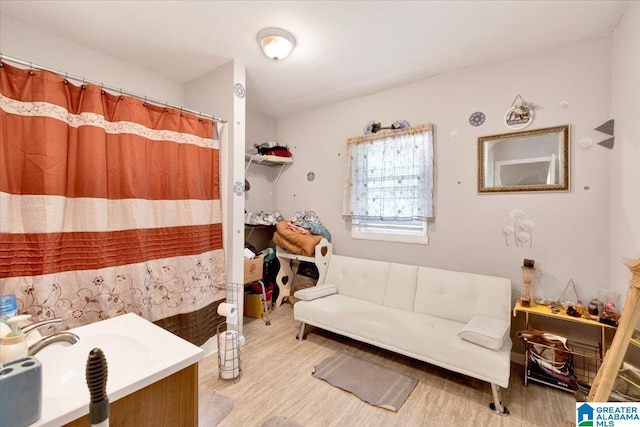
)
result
[(551, 303), (573, 307), (528, 272), (595, 307), (609, 314)]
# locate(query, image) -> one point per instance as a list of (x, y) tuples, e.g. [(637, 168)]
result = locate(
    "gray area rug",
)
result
[(280, 422), (213, 407), (372, 383)]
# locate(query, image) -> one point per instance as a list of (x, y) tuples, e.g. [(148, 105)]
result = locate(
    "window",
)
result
[(389, 185)]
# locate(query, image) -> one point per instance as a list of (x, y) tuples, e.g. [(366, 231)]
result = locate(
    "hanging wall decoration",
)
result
[(607, 127), (477, 118), (521, 230), (585, 143), (519, 115), (375, 127)]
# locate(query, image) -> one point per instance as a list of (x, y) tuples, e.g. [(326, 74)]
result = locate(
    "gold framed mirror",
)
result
[(531, 160)]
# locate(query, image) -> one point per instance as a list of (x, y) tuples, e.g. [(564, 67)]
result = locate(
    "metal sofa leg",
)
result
[(497, 406), (301, 336)]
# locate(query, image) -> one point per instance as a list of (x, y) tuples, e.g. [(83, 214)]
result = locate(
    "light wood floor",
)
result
[(276, 381)]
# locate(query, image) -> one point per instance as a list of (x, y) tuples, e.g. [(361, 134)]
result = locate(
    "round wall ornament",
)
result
[(238, 188), (477, 118), (239, 90), (515, 118)]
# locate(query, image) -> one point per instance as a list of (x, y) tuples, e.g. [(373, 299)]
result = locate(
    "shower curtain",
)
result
[(108, 205)]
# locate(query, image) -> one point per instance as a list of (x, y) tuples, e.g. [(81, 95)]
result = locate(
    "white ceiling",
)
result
[(344, 48)]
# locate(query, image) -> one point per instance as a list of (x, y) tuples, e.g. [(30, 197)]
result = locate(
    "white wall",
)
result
[(22, 41), (571, 237), (214, 92), (625, 171), (259, 129)]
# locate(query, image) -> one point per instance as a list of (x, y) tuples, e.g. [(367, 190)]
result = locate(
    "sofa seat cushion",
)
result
[(486, 331), (416, 335)]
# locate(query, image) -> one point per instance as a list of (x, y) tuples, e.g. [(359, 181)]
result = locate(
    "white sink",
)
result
[(138, 353), (64, 365)]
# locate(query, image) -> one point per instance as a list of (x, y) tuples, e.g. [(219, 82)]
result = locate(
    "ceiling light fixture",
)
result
[(276, 43)]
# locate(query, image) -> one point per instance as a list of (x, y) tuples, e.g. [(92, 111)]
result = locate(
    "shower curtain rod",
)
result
[(111, 88)]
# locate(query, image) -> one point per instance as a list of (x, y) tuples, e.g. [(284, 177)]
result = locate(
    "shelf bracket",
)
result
[(248, 165), (273, 187)]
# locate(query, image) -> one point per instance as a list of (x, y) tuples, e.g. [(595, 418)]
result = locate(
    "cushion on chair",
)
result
[(314, 292), (486, 331)]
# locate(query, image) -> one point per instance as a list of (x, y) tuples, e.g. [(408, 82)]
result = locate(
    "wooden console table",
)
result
[(543, 310)]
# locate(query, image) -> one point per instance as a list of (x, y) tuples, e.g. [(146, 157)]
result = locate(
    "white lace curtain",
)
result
[(390, 176)]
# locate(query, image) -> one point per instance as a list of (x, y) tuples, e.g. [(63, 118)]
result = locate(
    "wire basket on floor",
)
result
[(228, 354), (228, 338), (573, 369)]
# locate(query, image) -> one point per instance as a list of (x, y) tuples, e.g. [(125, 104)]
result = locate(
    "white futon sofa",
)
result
[(458, 321)]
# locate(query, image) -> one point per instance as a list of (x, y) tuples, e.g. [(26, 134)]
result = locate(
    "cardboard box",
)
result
[(253, 269), (253, 305)]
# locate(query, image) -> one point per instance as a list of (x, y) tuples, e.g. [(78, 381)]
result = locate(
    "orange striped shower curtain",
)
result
[(108, 205)]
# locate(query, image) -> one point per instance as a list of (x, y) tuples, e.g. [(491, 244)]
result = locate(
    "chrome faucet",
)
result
[(68, 337), (47, 322)]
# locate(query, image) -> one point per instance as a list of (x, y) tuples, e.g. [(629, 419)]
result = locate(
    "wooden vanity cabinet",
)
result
[(172, 401)]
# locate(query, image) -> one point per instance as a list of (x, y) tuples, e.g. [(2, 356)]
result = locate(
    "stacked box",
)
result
[(253, 269)]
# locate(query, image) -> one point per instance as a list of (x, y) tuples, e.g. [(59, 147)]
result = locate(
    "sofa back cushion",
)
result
[(459, 296), (401, 286), (358, 278)]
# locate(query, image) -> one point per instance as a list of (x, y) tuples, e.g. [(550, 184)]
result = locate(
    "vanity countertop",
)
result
[(138, 354)]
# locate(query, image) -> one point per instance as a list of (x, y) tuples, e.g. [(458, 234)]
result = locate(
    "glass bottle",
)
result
[(526, 300)]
